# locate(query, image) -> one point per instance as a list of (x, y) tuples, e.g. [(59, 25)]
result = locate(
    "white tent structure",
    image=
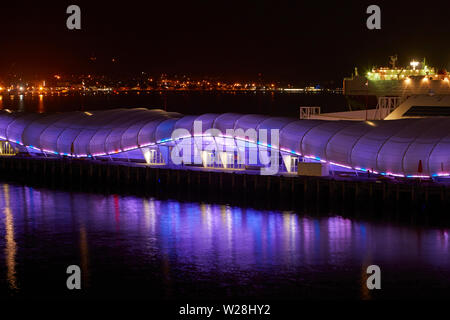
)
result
[(407, 147)]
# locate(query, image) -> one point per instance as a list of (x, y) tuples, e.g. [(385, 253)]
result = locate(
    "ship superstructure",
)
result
[(365, 91)]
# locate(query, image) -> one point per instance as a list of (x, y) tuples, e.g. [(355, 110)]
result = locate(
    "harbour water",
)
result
[(129, 246), (190, 102)]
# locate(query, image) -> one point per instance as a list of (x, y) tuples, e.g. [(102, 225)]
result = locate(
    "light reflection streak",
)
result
[(444, 237), (289, 231), (150, 214), (339, 239), (206, 222), (365, 292), (117, 212), (84, 253), (308, 233), (11, 246), (41, 104)]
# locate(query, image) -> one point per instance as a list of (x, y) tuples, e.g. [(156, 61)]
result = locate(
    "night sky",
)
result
[(286, 41)]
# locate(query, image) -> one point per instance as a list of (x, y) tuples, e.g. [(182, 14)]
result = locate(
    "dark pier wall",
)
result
[(412, 200)]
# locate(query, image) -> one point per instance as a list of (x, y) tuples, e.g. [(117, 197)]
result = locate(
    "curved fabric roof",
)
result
[(394, 146)]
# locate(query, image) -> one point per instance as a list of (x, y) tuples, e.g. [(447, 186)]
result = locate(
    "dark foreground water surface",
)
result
[(129, 246)]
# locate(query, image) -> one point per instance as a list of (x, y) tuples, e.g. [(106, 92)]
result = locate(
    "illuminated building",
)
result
[(395, 147)]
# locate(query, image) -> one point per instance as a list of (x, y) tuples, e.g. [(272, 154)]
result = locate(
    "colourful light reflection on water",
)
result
[(140, 241)]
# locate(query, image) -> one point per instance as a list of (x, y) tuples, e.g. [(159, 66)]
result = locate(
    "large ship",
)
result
[(393, 85)]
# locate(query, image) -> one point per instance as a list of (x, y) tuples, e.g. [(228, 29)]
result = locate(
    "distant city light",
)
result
[(93, 83)]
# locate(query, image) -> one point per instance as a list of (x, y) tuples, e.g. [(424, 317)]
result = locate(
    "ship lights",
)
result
[(414, 64)]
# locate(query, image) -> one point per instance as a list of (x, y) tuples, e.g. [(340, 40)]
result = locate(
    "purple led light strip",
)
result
[(162, 141)]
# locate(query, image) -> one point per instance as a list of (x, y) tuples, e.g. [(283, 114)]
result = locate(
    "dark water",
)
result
[(272, 103), (130, 246)]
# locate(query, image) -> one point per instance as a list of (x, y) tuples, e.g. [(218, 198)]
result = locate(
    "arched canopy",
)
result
[(394, 146)]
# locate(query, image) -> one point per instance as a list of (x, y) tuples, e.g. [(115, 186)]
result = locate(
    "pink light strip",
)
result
[(236, 138)]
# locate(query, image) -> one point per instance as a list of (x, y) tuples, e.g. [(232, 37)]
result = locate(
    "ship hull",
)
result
[(359, 102)]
